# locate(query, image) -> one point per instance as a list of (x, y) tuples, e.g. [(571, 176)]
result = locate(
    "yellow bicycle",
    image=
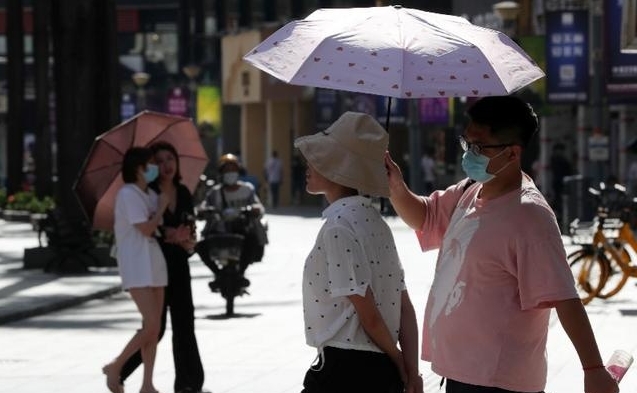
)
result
[(603, 264)]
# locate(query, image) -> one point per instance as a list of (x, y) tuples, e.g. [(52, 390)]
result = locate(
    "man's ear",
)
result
[(516, 152)]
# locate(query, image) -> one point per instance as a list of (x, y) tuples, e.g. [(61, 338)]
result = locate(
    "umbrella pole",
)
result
[(388, 113)]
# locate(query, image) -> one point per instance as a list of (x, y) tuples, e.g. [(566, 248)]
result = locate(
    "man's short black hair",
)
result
[(134, 158), (509, 117)]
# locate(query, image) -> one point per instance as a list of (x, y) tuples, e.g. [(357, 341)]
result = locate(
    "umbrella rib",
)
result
[(102, 168), (164, 130), (112, 145)]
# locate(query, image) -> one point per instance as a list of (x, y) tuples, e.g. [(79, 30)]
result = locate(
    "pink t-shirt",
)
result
[(500, 267)]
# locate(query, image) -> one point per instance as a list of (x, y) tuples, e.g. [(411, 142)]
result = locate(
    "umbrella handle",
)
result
[(388, 113)]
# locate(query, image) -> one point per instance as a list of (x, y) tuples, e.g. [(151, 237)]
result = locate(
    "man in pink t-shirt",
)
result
[(501, 265)]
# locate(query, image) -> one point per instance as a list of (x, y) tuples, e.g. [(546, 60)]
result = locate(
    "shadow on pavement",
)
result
[(217, 317)]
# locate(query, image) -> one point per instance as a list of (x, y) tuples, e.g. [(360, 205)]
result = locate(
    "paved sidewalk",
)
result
[(262, 350), (26, 293)]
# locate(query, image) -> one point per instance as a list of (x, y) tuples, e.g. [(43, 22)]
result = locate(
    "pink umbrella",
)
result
[(395, 52), (100, 177)]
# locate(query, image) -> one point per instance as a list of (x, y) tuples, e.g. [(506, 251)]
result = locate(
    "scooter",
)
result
[(221, 248)]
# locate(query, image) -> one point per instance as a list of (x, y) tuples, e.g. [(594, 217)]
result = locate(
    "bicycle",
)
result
[(602, 266)]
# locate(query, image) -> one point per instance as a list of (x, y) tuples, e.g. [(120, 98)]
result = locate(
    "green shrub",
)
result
[(27, 200)]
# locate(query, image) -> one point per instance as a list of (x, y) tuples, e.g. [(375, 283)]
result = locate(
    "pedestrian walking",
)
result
[(501, 266), (356, 305), (141, 263), (274, 176), (177, 243)]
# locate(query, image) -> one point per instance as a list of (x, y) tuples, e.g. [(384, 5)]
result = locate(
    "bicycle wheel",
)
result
[(617, 278), (590, 272)]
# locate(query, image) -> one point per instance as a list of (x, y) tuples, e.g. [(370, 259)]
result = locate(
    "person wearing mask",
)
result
[(355, 303), (229, 197), (177, 242), (141, 263), (501, 264)]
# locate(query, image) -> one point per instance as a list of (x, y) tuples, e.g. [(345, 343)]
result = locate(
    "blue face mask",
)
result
[(151, 173), (475, 166)]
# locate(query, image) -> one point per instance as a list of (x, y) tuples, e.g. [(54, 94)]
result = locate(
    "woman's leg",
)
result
[(150, 302), (134, 361)]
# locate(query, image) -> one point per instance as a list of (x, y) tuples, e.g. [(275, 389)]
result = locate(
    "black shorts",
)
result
[(349, 370)]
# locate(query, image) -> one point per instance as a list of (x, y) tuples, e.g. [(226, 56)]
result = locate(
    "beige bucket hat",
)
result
[(350, 152)]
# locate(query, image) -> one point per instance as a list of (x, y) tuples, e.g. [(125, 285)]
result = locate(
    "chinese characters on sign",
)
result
[(567, 56)]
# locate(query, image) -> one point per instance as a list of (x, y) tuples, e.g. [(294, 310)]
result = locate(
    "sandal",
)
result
[(112, 381)]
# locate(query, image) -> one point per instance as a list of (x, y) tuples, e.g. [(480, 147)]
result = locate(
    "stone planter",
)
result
[(16, 215)]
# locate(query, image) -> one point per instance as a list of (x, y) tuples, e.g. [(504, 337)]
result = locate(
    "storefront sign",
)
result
[(567, 56), (209, 106), (127, 107), (598, 148), (177, 103), (622, 67)]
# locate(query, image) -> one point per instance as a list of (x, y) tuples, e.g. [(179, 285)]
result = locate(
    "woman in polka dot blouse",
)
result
[(355, 303)]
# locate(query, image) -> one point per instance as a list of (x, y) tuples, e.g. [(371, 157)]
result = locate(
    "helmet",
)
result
[(228, 159)]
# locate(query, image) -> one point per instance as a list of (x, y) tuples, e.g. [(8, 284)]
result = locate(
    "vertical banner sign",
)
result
[(621, 67), (209, 106), (127, 107), (434, 110), (177, 104), (567, 56)]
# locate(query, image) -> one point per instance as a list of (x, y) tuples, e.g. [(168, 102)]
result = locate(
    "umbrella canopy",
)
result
[(396, 52), (100, 177)]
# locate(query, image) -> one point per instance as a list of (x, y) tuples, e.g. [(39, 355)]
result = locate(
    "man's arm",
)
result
[(409, 206), (578, 328)]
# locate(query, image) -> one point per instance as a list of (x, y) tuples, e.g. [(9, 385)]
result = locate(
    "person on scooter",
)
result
[(230, 196)]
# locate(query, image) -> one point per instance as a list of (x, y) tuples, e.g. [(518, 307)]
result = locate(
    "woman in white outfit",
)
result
[(138, 213)]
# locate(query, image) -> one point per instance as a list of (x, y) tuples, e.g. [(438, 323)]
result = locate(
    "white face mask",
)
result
[(230, 178)]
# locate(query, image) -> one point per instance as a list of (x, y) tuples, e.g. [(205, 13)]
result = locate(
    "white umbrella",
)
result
[(395, 52)]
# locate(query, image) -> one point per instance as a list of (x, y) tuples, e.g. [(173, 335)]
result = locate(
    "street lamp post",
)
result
[(141, 79), (192, 71)]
